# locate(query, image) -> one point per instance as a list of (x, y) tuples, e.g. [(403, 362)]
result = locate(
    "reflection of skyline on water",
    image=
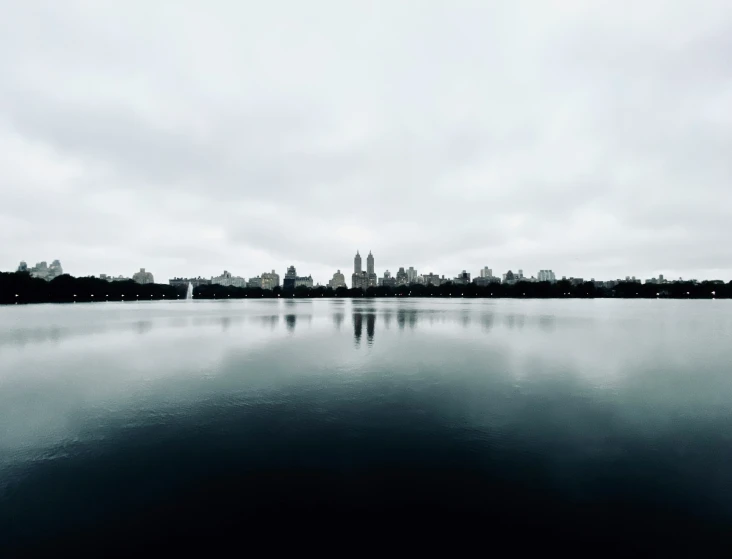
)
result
[(272, 320), (388, 314), (523, 406), (370, 327), (407, 317), (357, 327), (294, 313), (358, 318)]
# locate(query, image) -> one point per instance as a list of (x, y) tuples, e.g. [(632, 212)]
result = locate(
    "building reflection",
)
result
[(406, 316), (271, 320), (357, 327), (387, 315), (465, 319), (290, 320), (516, 321), (548, 322), (370, 327), (338, 320)]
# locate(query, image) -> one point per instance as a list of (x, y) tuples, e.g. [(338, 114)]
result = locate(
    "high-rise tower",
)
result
[(357, 264), (372, 280), (359, 279)]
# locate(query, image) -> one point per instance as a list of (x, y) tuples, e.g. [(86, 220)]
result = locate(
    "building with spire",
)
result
[(360, 279), (370, 270)]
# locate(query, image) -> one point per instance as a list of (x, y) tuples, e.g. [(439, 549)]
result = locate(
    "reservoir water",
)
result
[(273, 422)]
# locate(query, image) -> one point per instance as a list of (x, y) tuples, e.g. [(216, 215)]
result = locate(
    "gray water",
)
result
[(581, 420)]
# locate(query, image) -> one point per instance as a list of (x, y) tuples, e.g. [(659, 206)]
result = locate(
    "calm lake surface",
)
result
[(541, 420)]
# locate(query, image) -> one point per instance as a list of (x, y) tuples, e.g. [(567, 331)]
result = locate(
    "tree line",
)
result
[(21, 288)]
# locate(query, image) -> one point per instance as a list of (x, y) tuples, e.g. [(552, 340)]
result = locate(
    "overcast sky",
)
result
[(593, 138)]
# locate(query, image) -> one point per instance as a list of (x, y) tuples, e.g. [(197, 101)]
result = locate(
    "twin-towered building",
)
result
[(361, 279)]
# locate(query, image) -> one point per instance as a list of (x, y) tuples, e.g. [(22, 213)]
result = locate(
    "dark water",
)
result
[(301, 423)]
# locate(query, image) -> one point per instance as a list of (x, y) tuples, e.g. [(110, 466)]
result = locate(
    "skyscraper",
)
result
[(546, 275), (360, 279), (411, 275), (270, 280), (370, 270)]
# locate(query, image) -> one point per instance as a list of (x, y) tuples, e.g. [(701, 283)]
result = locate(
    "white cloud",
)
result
[(588, 137)]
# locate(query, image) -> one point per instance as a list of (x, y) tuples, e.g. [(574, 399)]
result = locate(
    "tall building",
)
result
[(270, 280), (486, 272), (183, 282), (401, 277), (463, 278), (292, 280), (433, 279), (412, 275), (42, 270), (143, 277), (370, 270), (228, 280), (484, 281), (546, 275), (359, 279), (387, 280), (304, 281), (55, 269), (509, 278), (290, 277), (339, 280)]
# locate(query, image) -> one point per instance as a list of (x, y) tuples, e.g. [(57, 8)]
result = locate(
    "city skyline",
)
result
[(360, 278), (591, 140)]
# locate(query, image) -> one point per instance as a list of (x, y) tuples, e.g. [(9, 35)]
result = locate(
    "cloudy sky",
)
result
[(590, 137)]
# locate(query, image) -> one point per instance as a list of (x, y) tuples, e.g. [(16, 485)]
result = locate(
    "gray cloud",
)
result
[(584, 136)]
